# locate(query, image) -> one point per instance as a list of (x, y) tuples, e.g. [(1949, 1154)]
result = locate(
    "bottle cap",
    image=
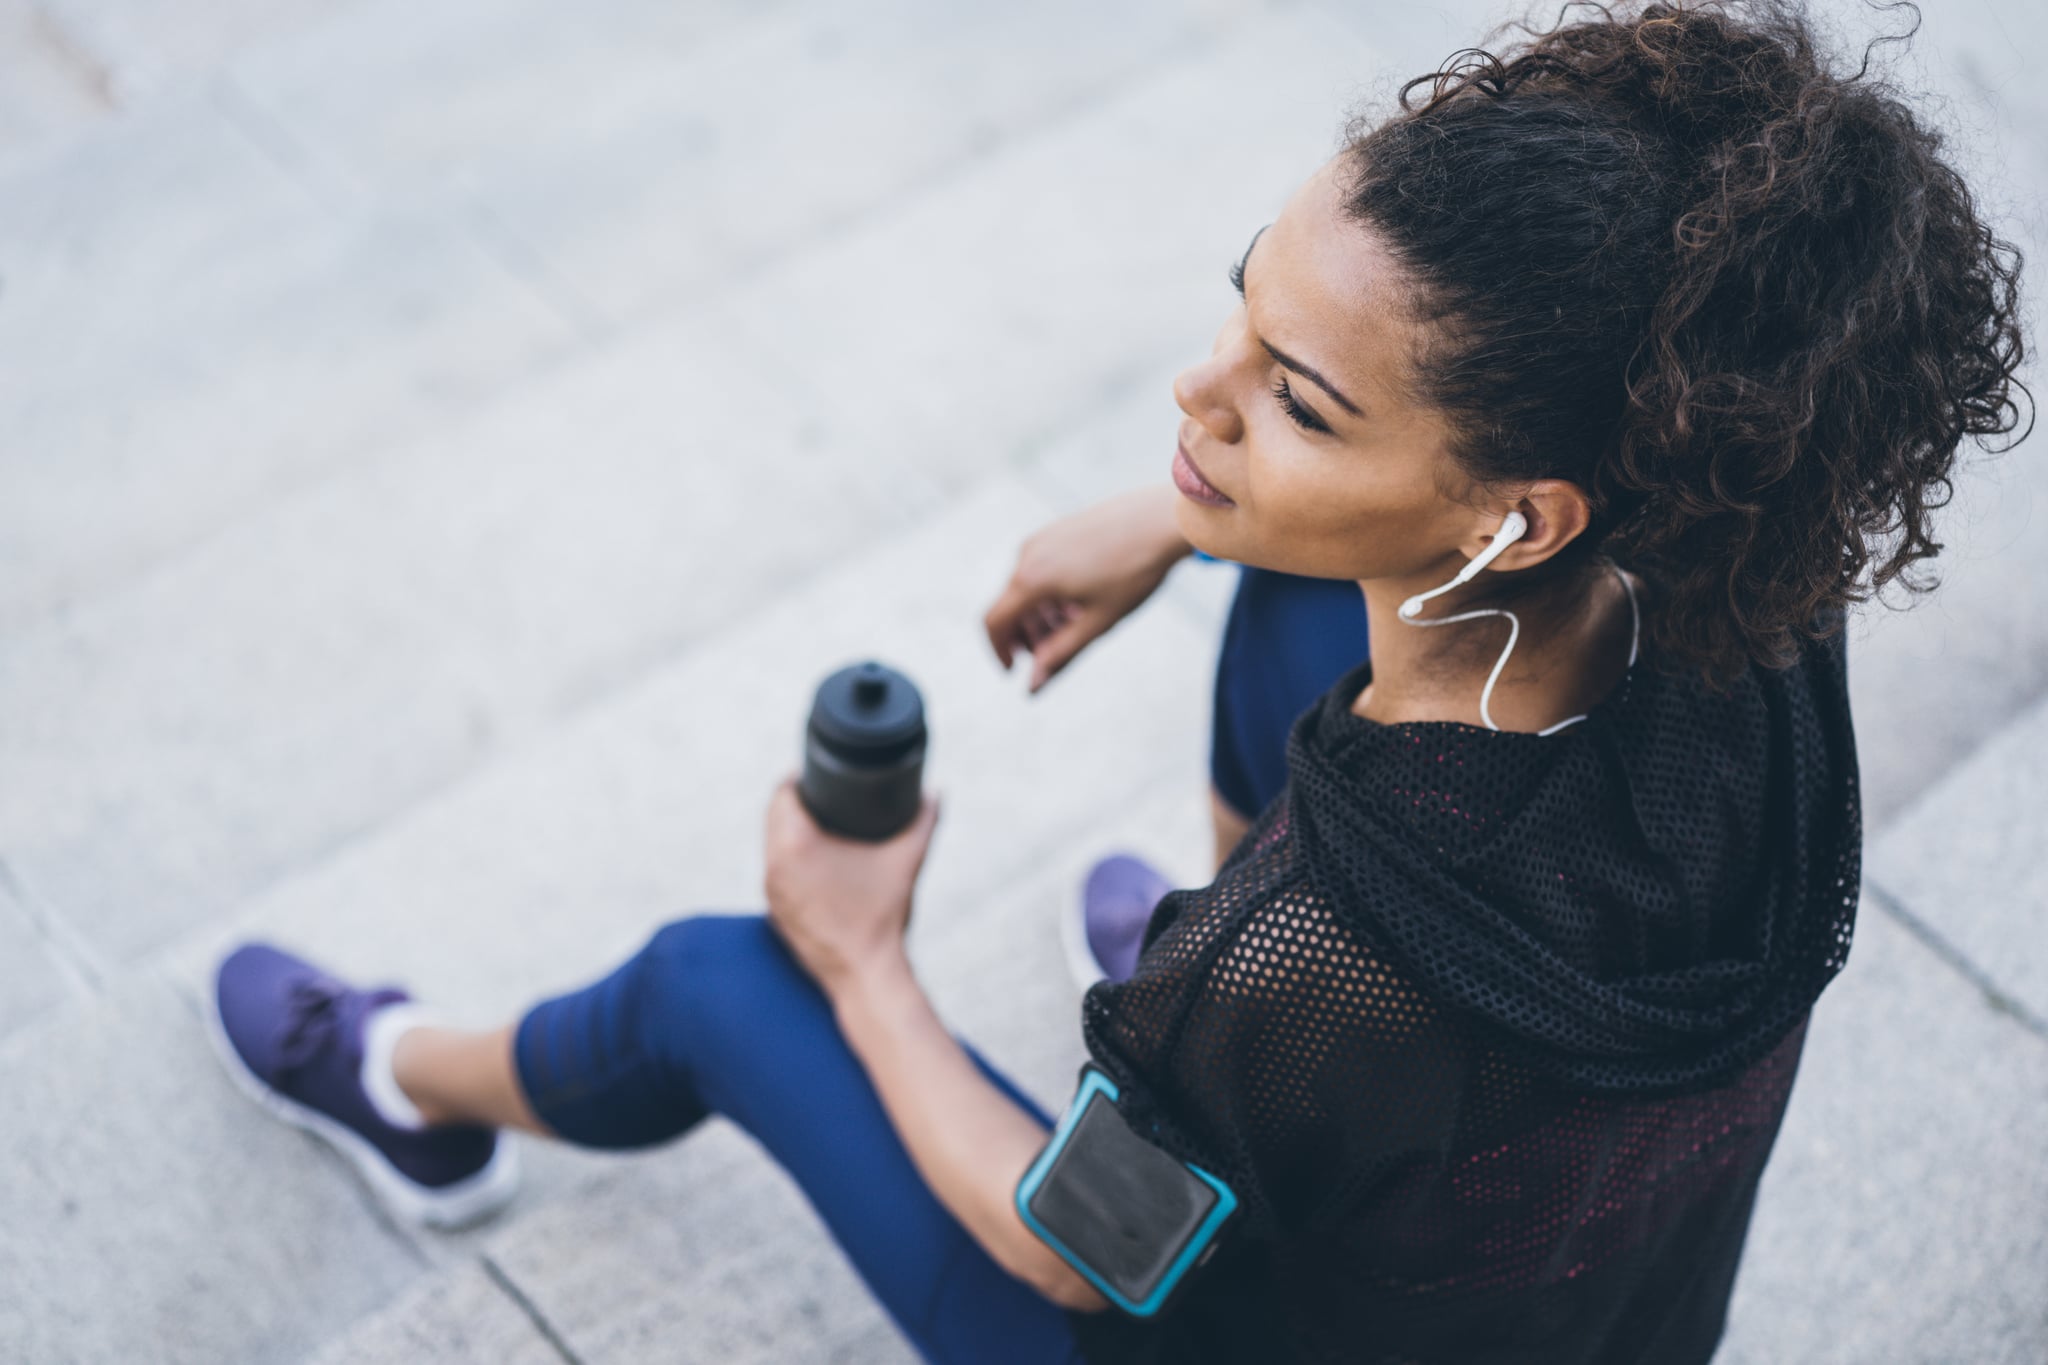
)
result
[(868, 714)]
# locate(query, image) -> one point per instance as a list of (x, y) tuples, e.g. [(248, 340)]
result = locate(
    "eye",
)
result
[(1301, 415)]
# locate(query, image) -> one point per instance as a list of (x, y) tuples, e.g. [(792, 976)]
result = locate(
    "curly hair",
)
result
[(1740, 299)]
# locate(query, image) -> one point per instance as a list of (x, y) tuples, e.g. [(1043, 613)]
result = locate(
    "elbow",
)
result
[(1041, 1268), (1076, 1294), (1027, 1257)]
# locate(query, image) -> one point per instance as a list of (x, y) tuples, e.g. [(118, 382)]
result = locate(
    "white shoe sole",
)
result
[(469, 1200)]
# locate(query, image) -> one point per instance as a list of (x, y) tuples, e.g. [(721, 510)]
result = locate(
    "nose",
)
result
[(1203, 391)]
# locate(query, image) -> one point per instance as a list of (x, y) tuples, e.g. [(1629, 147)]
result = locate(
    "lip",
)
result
[(1192, 485)]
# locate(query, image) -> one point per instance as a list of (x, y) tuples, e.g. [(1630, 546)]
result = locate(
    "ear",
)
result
[(1557, 511)]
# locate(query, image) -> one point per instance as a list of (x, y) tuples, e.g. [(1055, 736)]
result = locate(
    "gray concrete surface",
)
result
[(149, 1217), (192, 333), (33, 975), (1901, 1216), (469, 1312), (447, 441), (1964, 864)]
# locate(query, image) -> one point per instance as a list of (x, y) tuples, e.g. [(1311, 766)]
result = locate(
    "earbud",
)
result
[(1512, 527)]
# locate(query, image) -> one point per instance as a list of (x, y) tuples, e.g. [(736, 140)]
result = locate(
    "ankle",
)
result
[(390, 1039), (428, 1052)]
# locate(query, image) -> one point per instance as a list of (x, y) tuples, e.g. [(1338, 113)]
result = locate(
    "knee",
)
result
[(735, 942), (701, 977)]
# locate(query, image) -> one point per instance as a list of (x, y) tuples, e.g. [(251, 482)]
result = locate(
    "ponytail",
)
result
[(1742, 301)]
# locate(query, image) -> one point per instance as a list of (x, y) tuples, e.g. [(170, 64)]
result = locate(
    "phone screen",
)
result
[(1121, 1205)]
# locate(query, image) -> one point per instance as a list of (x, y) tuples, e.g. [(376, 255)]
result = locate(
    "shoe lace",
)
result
[(312, 1012)]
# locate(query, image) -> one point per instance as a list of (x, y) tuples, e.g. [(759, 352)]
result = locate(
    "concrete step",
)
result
[(1933, 681), (703, 1250), (642, 155), (183, 741), (1904, 1216), (468, 1314), (1963, 864), (153, 1213), (960, 324), (189, 332), (194, 689), (34, 975)]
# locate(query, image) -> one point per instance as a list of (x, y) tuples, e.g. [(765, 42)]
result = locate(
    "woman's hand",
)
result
[(1080, 575), (840, 904)]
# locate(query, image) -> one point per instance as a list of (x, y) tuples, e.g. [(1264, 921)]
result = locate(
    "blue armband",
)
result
[(1205, 555), (1132, 1220)]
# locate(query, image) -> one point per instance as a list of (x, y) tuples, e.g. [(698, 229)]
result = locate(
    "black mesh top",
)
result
[(1492, 1031)]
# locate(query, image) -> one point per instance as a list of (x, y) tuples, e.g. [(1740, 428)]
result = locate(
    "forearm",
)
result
[(968, 1139)]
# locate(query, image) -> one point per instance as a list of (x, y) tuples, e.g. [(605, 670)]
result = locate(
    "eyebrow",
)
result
[(1289, 361)]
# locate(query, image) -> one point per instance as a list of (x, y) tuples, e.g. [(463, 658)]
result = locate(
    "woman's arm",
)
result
[(969, 1140), (841, 905), (1078, 576)]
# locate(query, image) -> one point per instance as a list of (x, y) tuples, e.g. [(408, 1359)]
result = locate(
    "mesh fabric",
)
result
[(1492, 1032)]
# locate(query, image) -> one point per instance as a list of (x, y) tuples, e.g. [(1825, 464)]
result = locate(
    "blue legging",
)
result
[(1286, 641), (713, 1016)]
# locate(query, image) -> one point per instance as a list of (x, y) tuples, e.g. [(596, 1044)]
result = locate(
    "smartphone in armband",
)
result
[(1130, 1219)]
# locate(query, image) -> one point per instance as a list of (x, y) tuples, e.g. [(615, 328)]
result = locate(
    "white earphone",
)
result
[(1512, 526)]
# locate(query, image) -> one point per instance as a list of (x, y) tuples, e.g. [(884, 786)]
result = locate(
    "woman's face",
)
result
[(1301, 417)]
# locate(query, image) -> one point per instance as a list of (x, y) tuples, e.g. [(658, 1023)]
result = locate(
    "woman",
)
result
[(1490, 1018)]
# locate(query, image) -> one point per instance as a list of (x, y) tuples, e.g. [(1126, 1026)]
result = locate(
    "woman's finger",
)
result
[(1059, 648), (1004, 619)]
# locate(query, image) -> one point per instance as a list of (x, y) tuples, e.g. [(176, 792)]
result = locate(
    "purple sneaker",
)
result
[(1106, 928), (291, 1037)]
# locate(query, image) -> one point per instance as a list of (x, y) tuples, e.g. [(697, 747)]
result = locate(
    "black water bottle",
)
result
[(863, 773)]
